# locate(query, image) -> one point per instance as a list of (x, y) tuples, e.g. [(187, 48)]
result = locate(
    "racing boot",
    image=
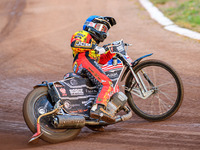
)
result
[(98, 111)]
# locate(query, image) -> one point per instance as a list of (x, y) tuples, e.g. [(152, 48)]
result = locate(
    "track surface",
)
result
[(35, 46)]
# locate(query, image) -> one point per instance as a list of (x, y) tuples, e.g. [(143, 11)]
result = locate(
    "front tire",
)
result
[(37, 103), (168, 91)]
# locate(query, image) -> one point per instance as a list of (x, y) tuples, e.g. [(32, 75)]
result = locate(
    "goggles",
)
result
[(98, 26)]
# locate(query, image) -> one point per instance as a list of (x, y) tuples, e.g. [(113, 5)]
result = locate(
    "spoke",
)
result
[(152, 101), (154, 76), (162, 108), (167, 96), (165, 84), (162, 105)]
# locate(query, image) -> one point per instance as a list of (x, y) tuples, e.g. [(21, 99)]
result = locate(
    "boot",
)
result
[(99, 112)]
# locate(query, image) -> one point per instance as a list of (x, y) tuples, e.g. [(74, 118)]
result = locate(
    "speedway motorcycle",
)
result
[(58, 110)]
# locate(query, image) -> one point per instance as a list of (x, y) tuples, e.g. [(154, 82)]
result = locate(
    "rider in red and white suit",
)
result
[(87, 57)]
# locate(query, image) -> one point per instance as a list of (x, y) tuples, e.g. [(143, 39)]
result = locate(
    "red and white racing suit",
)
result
[(87, 62)]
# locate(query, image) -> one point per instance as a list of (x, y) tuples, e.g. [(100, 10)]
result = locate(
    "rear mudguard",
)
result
[(44, 84), (133, 64)]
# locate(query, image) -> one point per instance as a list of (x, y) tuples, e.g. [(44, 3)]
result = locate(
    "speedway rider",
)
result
[(87, 57)]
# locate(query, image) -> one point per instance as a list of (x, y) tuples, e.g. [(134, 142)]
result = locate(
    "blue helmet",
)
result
[(98, 26)]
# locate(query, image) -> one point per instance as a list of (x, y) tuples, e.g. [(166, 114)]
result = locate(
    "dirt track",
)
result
[(35, 46)]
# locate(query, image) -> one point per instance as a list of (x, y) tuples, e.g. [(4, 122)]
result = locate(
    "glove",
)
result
[(99, 50)]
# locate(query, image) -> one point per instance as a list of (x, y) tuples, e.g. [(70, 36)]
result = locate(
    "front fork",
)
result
[(142, 92)]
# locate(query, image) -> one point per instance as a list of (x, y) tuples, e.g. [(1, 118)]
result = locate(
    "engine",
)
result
[(116, 103)]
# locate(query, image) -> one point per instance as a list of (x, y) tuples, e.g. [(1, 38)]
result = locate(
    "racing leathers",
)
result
[(87, 60)]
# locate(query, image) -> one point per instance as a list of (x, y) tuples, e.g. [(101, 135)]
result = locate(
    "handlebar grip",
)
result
[(126, 44), (107, 49)]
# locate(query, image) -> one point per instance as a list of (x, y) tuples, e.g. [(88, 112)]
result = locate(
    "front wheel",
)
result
[(37, 103), (165, 84)]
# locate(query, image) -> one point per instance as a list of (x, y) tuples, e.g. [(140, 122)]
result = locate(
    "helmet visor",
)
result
[(99, 27)]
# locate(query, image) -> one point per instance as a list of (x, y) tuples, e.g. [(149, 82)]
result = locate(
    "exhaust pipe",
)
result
[(125, 117), (76, 121), (68, 121)]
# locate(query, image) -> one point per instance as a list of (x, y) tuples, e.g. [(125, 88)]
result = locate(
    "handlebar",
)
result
[(117, 47)]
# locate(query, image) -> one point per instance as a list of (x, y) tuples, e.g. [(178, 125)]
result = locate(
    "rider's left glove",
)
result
[(99, 50)]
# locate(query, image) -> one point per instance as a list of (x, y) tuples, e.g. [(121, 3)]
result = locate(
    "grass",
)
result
[(185, 13)]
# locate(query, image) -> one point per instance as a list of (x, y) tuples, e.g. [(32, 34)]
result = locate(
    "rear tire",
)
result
[(168, 94), (37, 103)]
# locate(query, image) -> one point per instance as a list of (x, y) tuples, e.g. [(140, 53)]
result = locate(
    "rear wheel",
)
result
[(167, 89), (37, 103)]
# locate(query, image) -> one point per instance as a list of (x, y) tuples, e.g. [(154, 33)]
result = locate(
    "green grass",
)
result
[(185, 13), (159, 1)]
